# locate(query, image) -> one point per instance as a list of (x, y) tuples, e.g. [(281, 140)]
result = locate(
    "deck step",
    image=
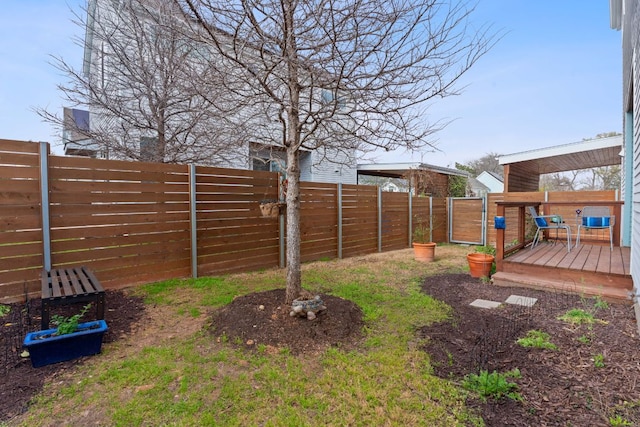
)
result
[(611, 294)]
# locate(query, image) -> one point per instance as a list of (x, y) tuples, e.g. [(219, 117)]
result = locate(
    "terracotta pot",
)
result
[(424, 252), (480, 264)]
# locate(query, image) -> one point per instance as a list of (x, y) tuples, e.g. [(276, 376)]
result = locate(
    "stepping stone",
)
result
[(520, 300), (483, 303)]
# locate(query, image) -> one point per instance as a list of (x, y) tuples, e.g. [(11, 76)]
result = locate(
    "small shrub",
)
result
[(494, 385), (537, 339)]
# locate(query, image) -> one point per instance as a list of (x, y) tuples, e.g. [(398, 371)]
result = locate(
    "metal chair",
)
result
[(596, 217), (548, 222)]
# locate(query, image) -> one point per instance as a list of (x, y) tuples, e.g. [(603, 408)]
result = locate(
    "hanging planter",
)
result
[(480, 264), (272, 209)]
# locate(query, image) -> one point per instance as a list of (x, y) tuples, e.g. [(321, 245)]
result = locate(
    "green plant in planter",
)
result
[(68, 325), (422, 233), (487, 249)]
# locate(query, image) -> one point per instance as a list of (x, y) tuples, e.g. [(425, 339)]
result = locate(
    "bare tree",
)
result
[(139, 83), (489, 162), (337, 76)]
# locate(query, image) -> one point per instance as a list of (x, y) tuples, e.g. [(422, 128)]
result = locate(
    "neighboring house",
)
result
[(492, 181), (423, 178), (76, 142), (476, 188), (625, 15), (249, 148)]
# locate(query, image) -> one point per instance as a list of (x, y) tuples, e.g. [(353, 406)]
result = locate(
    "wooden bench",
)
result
[(72, 285)]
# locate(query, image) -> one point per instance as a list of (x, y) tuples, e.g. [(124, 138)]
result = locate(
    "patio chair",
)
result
[(548, 222), (596, 217)]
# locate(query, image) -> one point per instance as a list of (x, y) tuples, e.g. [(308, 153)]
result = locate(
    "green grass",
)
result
[(197, 379), (578, 316), (493, 385), (537, 339)]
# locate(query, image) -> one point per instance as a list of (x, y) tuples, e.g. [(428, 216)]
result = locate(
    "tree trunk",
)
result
[(294, 277)]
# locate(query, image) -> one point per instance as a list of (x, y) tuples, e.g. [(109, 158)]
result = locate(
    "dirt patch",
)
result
[(262, 319), (559, 388), (19, 381)]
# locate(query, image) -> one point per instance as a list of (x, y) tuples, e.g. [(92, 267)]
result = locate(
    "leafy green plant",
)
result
[(537, 339), (486, 249), (68, 325), (494, 385), (619, 421), (4, 310), (598, 360)]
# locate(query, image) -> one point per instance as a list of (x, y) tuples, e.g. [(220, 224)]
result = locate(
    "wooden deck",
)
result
[(588, 269)]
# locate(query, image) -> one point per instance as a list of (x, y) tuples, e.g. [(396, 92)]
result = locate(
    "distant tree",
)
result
[(139, 82), (559, 181), (489, 162), (603, 178)]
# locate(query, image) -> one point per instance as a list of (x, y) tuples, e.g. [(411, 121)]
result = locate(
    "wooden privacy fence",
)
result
[(135, 223)]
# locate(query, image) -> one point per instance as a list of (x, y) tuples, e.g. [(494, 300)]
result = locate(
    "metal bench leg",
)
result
[(100, 306), (46, 305)]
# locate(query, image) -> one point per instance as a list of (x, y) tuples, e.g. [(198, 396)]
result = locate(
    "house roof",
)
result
[(578, 155), (398, 170)]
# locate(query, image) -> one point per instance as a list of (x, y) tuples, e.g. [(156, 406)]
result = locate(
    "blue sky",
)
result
[(554, 78)]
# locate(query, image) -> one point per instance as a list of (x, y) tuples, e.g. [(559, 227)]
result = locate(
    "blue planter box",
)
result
[(595, 221), (46, 348)]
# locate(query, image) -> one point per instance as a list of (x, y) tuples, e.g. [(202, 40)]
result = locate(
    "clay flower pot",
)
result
[(480, 264), (424, 252)]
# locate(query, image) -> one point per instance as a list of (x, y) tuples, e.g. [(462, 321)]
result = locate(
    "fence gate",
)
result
[(467, 219)]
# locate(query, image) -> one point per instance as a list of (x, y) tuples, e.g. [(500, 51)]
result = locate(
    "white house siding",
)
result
[(340, 169), (256, 126), (631, 100)]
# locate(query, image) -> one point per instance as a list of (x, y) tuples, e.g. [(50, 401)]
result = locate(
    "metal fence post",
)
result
[(379, 219), (44, 202), (410, 218), (339, 220), (431, 218), (193, 221)]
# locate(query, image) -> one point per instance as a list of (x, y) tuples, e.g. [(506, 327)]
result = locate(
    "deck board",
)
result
[(585, 258), (592, 269)]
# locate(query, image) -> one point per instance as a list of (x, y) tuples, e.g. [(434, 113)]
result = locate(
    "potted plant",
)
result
[(423, 248), (69, 340), (481, 261)]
